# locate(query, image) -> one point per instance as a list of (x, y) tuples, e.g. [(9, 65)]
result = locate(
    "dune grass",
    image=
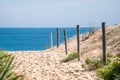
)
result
[(6, 68), (110, 71), (70, 57)]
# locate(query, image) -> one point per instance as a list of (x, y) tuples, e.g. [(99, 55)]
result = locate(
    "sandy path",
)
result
[(46, 65)]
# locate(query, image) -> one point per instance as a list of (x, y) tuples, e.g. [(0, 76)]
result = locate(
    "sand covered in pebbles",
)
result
[(46, 65)]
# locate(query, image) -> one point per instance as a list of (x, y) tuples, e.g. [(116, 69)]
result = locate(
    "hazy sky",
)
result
[(58, 13)]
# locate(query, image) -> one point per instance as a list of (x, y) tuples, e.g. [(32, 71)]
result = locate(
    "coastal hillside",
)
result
[(47, 65), (91, 44)]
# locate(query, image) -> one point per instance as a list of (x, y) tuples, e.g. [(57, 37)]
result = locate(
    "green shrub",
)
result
[(110, 71), (84, 66), (6, 68), (97, 63), (70, 57), (118, 55), (110, 55), (89, 61), (93, 63)]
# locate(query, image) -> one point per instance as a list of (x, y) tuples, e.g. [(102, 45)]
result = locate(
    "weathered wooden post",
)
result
[(78, 42), (51, 41), (58, 38), (65, 39), (45, 46), (104, 42)]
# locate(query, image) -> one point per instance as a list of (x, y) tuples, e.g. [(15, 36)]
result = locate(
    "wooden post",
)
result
[(104, 43), (58, 38), (45, 46), (51, 41), (78, 42), (65, 39)]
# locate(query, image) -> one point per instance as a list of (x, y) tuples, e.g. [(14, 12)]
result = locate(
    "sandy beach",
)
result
[(46, 65)]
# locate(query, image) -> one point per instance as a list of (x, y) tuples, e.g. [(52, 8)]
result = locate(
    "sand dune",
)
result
[(46, 65)]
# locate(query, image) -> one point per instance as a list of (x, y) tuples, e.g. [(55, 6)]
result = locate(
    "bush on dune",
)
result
[(110, 71), (70, 57)]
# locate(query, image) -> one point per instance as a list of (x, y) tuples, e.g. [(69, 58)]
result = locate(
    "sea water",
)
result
[(19, 39)]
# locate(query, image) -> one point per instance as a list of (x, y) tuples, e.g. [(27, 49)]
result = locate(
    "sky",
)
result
[(58, 13)]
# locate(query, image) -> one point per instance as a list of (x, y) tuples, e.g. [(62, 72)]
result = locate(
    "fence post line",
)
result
[(58, 38), (78, 42), (104, 42), (51, 41), (65, 39)]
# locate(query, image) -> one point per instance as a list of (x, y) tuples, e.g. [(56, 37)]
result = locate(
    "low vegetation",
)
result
[(70, 57), (89, 61), (110, 71), (6, 68)]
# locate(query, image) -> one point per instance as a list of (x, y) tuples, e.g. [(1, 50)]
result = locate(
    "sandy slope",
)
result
[(46, 65)]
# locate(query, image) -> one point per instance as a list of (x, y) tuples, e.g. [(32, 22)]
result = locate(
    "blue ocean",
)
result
[(19, 39)]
